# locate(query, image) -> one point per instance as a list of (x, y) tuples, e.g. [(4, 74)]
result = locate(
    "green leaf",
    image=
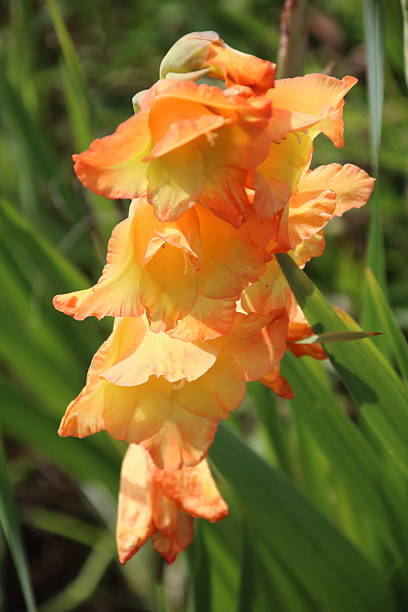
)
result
[(88, 579), (199, 562), (81, 111), (37, 151), (373, 21), (223, 547), (371, 381), (404, 9), (337, 337), (369, 484), (8, 520), (393, 334), (62, 524), (327, 566), (265, 406)]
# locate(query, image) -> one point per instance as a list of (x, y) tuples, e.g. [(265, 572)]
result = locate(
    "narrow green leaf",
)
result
[(81, 111), (62, 524), (265, 406), (393, 334), (364, 473), (374, 385), (328, 567), (8, 520), (373, 21), (38, 152), (199, 562), (161, 600), (247, 581), (223, 547), (81, 588), (340, 336), (404, 9), (68, 50), (59, 269)]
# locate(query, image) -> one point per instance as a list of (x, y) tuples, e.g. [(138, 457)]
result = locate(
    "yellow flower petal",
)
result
[(157, 354)]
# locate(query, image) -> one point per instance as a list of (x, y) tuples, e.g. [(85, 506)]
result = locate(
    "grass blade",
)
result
[(8, 520), (81, 111)]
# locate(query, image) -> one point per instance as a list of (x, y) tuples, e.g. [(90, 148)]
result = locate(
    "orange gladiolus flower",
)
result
[(187, 143), (221, 183), (186, 275), (169, 395), (160, 506)]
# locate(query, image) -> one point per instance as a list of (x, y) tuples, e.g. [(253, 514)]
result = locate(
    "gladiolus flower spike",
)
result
[(220, 181)]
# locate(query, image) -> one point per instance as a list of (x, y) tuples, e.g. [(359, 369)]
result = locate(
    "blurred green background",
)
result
[(68, 72)]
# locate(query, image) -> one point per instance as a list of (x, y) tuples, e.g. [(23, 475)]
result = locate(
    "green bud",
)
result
[(187, 55)]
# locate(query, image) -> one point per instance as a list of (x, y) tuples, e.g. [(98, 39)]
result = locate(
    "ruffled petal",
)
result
[(277, 176), (134, 414), (84, 415), (305, 215), (257, 343), (278, 384), (270, 293), (168, 287), (182, 440), (183, 131), (135, 517), (208, 319), (117, 291), (113, 166), (175, 182), (240, 68), (306, 250), (157, 354), (315, 95), (194, 491), (351, 185), (224, 194), (229, 263), (169, 544), (216, 393)]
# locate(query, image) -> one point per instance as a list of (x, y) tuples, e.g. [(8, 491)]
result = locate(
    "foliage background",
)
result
[(68, 71)]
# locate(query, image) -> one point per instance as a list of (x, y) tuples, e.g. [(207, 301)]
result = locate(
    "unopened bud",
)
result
[(188, 54)]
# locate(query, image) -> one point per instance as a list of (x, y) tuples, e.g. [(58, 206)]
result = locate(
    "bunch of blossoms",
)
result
[(220, 182)]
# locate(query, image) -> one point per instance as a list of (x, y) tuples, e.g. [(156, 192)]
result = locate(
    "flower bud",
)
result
[(188, 54)]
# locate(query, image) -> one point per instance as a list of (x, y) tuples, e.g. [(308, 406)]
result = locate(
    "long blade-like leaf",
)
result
[(327, 566), (8, 520), (373, 21), (395, 338), (374, 385)]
